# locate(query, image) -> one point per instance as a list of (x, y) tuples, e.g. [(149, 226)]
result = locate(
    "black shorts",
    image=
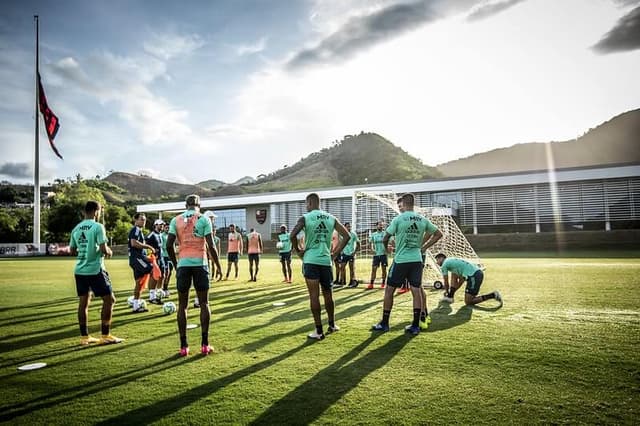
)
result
[(99, 284), (322, 273), (168, 264), (141, 267), (232, 257), (380, 260), (161, 264), (185, 275), (254, 257), (345, 258), (474, 282), (285, 256), (399, 273)]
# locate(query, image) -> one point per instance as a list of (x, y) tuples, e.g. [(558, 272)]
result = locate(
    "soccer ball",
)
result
[(130, 300), (143, 304), (279, 245), (169, 308), (159, 295)]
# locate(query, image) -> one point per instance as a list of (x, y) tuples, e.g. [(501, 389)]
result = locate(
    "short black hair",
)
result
[(408, 199), (91, 206), (137, 215), (441, 255)]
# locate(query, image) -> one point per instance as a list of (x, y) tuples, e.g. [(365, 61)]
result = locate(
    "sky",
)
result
[(197, 90)]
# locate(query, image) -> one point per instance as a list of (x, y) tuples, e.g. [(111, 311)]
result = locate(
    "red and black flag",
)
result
[(50, 119)]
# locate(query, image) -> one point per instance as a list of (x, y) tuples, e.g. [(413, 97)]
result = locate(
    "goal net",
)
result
[(369, 208)]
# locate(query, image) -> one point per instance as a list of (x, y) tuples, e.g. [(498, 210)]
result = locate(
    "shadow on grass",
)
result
[(258, 344), (157, 411), (442, 319), (86, 389), (307, 402), (38, 305), (71, 329)]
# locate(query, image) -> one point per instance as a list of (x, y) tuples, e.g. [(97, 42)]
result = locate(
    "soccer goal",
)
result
[(369, 208)]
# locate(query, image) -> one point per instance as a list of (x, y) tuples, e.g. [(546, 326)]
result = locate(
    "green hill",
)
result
[(144, 187), (616, 141), (358, 159)]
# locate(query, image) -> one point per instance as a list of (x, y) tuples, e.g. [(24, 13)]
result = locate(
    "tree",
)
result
[(8, 194), (67, 208)]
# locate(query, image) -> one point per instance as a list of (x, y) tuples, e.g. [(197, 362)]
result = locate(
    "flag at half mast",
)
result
[(50, 119)]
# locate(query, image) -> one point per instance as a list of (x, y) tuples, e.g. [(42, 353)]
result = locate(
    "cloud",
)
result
[(16, 170), (373, 27), (624, 36), (251, 49), (489, 8), (168, 46)]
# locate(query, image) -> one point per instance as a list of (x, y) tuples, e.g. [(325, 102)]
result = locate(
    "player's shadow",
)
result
[(164, 407), (35, 316), (443, 319), (39, 305), (330, 384), (265, 341), (86, 389)]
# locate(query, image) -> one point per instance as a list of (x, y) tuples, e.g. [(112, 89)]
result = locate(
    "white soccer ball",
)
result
[(169, 308), (159, 295), (279, 245), (130, 300), (143, 304)]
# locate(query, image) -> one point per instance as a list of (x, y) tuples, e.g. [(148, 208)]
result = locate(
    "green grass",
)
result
[(562, 349)]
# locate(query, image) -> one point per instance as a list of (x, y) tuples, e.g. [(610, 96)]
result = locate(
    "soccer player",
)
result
[(347, 257), (254, 248), (138, 261), (89, 242), (413, 233), (318, 227), (192, 231), (379, 255), (168, 265), (234, 249), (284, 250), (462, 271), (154, 239)]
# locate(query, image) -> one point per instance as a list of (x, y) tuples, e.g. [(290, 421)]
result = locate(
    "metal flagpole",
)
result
[(36, 165)]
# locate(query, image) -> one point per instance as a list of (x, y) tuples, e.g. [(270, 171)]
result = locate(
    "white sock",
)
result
[(152, 294)]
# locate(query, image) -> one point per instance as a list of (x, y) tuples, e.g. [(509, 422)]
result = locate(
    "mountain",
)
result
[(356, 159), (211, 184), (145, 187), (616, 141)]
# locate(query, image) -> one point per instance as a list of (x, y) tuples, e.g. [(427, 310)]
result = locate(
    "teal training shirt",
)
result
[(201, 228), (409, 229), (458, 266), (318, 228), (285, 239), (87, 237), (376, 240), (350, 248)]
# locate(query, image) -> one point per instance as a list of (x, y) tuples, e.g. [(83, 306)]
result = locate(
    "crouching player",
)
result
[(462, 271)]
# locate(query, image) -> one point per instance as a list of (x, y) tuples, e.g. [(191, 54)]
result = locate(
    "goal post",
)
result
[(371, 207)]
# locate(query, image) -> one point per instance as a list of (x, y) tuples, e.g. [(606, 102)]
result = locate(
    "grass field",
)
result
[(564, 348)]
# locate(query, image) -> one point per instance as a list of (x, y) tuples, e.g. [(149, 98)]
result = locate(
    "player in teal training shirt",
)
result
[(414, 234), (462, 271), (317, 258), (89, 243)]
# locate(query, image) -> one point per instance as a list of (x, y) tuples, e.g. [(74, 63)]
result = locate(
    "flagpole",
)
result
[(36, 162)]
